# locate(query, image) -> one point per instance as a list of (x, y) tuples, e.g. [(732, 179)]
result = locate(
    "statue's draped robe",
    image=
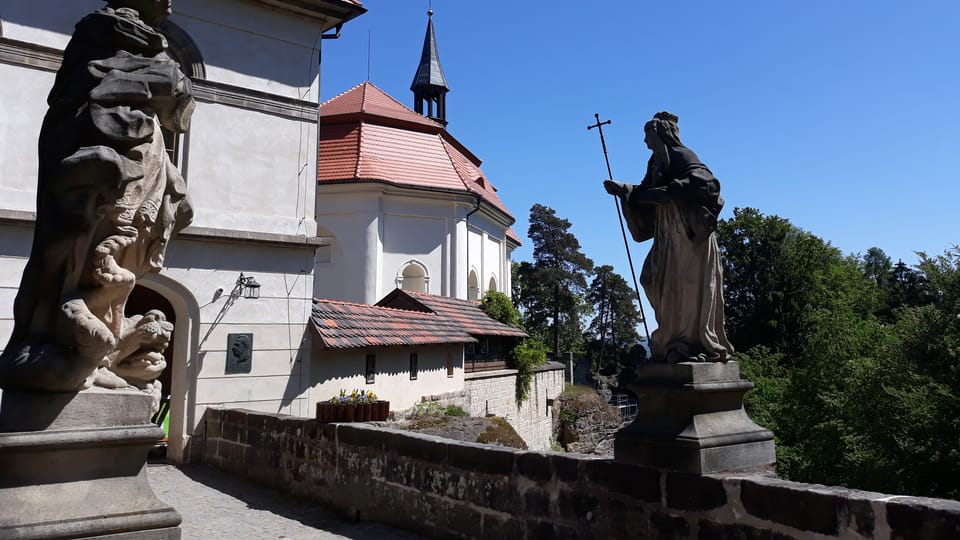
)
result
[(677, 205), (108, 200)]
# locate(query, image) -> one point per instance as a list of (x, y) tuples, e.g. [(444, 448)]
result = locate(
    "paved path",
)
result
[(215, 505)]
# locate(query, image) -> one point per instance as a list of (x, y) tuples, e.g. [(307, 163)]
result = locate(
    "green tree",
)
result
[(552, 287), (613, 330), (499, 307)]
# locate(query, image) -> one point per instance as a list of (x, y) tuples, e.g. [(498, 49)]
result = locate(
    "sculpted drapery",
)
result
[(108, 201), (677, 205)]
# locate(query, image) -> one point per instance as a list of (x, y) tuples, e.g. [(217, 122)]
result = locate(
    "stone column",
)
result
[(690, 418)]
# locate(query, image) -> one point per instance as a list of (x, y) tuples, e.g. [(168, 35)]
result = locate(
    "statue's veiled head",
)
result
[(151, 11), (663, 128)]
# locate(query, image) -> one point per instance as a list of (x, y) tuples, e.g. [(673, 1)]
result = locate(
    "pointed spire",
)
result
[(429, 85)]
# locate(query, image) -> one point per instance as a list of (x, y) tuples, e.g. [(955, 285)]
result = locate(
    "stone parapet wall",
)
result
[(495, 392), (450, 489)]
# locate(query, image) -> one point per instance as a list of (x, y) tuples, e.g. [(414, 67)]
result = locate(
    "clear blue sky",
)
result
[(841, 116)]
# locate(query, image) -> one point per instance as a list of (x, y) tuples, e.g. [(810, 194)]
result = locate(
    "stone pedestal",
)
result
[(73, 465), (690, 418)]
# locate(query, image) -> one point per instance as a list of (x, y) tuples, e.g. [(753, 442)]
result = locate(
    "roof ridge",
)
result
[(400, 103), (347, 91), (453, 162), (374, 306)]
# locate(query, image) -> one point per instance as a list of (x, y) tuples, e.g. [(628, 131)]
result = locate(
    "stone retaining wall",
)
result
[(495, 392), (449, 489)]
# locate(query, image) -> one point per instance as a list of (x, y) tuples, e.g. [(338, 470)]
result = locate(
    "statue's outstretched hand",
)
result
[(615, 188)]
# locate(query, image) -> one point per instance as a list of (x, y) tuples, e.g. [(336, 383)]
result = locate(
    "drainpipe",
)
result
[(467, 219)]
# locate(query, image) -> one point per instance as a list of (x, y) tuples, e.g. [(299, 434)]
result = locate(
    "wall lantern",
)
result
[(251, 289)]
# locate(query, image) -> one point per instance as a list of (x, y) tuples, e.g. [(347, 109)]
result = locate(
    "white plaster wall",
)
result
[(278, 381), (475, 258), (494, 392), (493, 259), (333, 370), (24, 104), (251, 171), (353, 271), (407, 238), (242, 44), (254, 47), (45, 22)]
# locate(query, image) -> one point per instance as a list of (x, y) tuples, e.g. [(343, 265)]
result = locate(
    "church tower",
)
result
[(429, 85)]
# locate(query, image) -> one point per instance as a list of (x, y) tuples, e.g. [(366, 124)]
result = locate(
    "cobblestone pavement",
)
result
[(216, 505)]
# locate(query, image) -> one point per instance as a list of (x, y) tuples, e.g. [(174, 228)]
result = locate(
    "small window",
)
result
[(413, 366), (449, 365), (371, 368)]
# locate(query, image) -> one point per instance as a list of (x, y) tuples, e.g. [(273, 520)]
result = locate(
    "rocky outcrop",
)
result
[(585, 423)]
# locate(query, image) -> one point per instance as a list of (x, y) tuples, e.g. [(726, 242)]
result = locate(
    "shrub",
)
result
[(528, 355), (498, 306)]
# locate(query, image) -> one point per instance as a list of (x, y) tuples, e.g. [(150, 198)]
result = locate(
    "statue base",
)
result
[(73, 465), (690, 418)]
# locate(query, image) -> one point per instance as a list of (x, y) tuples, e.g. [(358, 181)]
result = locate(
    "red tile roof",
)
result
[(465, 313), (344, 325), (368, 136)]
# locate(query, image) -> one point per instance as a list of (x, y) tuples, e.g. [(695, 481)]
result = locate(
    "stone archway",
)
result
[(181, 372)]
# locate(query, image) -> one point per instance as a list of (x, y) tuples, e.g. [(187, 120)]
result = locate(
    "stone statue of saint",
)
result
[(677, 205), (108, 201)]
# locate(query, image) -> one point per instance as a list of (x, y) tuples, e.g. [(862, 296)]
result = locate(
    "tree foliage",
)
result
[(551, 289), (856, 360), (612, 332), (499, 308)]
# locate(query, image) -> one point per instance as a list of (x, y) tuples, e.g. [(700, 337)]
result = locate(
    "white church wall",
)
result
[(336, 369), (352, 273), (24, 105), (249, 179), (493, 259), (412, 238)]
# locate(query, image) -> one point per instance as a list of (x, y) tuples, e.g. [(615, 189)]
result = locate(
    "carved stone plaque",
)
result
[(239, 353)]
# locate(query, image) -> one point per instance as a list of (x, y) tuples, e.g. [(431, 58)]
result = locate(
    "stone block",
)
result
[(795, 505), (480, 458), (634, 481), (500, 528), (79, 480), (536, 503), (923, 519), (577, 505), (545, 530), (716, 531), (694, 492), (535, 466), (422, 447), (665, 526), (359, 436), (566, 468)]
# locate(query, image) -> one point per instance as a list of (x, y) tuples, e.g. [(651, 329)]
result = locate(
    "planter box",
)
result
[(350, 412)]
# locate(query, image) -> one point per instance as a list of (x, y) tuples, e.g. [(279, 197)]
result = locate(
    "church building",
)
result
[(401, 202)]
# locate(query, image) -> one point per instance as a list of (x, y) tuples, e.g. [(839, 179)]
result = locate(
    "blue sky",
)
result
[(841, 116)]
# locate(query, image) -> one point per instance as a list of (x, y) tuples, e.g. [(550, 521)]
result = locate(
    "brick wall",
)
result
[(449, 489), (495, 392)]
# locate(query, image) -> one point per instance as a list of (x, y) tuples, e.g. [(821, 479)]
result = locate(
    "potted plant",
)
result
[(358, 406)]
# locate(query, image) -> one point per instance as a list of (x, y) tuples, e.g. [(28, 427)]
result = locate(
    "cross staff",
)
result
[(616, 199)]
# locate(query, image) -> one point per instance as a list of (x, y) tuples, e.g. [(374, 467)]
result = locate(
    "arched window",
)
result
[(473, 286), (492, 285), (413, 277)]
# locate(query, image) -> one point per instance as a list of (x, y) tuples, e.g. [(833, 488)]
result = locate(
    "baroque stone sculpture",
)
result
[(108, 201), (677, 205)]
